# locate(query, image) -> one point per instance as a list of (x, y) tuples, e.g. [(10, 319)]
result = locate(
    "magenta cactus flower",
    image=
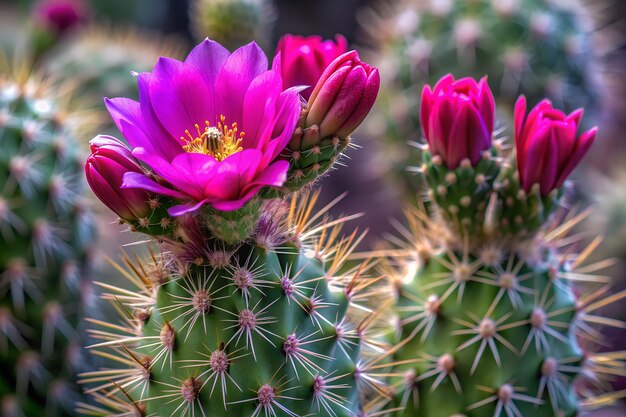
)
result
[(304, 59), (210, 129), (457, 119), (343, 96), (60, 15), (548, 145), (109, 161)]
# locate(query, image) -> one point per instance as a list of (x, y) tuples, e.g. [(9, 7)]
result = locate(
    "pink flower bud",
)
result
[(548, 145), (343, 96), (105, 168), (304, 59), (457, 119), (61, 15)]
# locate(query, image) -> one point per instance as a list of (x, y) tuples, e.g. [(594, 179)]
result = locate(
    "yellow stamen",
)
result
[(220, 142)]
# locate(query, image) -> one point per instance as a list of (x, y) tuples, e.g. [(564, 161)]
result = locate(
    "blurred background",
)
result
[(572, 52)]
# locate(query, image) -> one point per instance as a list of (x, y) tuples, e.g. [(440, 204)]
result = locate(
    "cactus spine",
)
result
[(496, 314), (258, 328), (45, 234)]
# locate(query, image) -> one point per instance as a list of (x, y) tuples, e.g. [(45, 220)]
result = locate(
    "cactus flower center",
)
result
[(219, 141)]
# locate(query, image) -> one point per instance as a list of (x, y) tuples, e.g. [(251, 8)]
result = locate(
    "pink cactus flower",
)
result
[(210, 129), (343, 96), (304, 59), (457, 119), (61, 15), (548, 145), (105, 168)]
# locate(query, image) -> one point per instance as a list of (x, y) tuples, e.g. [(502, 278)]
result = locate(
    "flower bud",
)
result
[(343, 96), (60, 16), (304, 59), (548, 145), (457, 119), (105, 168)]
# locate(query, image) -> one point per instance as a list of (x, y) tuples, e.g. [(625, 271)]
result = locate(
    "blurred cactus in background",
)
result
[(608, 194), (101, 62), (233, 23), (497, 305), (539, 48), (53, 20), (46, 236), (609, 217)]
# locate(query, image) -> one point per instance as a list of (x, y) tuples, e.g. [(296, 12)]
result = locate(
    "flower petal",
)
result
[(161, 141), (518, 121), (243, 66), (181, 209), (137, 180), (426, 109), (178, 95), (275, 175), (208, 59), (126, 114), (189, 172), (260, 104), (541, 165), (583, 144), (287, 114)]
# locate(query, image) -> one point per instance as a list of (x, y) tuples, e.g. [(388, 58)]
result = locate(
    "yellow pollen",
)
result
[(220, 142)]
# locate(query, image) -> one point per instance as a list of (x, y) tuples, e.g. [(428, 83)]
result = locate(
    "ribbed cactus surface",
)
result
[(45, 234), (257, 329), (488, 332), (497, 313)]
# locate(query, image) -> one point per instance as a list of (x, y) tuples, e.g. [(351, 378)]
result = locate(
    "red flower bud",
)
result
[(304, 59), (343, 96), (105, 168), (457, 119), (548, 145)]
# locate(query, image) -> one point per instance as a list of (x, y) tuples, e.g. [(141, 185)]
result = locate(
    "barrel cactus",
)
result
[(46, 231), (233, 23), (241, 309), (539, 48), (496, 309)]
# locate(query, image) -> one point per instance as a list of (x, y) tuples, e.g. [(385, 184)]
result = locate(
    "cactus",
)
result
[(259, 328), (100, 60), (609, 195), (539, 48), (46, 230), (496, 307), (233, 23), (242, 307)]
